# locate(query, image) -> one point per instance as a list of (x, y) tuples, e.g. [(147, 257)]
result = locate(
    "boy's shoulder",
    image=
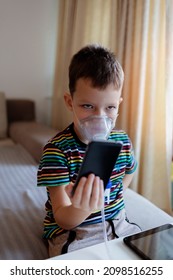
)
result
[(62, 138), (62, 135), (118, 135)]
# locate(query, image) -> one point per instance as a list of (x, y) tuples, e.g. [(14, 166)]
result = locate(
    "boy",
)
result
[(73, 222)]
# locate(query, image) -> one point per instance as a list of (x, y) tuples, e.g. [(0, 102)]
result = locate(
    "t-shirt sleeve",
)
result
[(53, 168), (130, 158)]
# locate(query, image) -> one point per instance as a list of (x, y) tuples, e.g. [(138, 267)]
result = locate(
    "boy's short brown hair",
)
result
[(98, 64)]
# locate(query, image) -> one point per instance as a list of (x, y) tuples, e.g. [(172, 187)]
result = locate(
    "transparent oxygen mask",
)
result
[(96, 127)]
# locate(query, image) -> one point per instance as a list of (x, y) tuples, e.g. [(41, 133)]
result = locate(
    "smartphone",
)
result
[(99, 159)]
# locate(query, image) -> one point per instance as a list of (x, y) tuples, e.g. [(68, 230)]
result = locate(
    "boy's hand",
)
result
[(88, 195)]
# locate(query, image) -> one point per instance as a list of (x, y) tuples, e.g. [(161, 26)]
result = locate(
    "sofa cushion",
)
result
[(20, 110), (6, 142), (32, 136), (3, 116)]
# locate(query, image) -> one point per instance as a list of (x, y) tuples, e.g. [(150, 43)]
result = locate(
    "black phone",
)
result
[(99, 159)]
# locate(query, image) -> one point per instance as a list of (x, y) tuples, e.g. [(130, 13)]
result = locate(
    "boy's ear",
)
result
[(68, 101), (121, 100)]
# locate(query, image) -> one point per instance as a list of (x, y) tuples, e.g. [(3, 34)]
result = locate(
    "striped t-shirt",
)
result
[(60, 163)]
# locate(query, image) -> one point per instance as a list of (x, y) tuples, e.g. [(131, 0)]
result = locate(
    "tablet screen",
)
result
[(153, 244)]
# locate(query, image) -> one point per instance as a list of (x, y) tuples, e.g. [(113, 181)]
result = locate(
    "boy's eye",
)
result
[(87, 106), (112, 107)]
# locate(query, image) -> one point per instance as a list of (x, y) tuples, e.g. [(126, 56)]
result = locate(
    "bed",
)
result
[(21, 205)]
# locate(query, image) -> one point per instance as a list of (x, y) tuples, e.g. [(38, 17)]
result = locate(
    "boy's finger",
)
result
[(69, 189)]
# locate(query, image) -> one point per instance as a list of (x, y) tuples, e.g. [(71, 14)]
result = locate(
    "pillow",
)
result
[(3, 116)]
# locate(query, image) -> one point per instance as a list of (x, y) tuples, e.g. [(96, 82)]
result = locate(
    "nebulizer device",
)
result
[(98, 128), (95, 127)]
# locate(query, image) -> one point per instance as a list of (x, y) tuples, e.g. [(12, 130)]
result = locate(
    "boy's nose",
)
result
[(99, 112)]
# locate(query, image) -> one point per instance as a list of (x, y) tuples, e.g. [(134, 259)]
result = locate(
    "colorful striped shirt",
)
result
[(60, 163)]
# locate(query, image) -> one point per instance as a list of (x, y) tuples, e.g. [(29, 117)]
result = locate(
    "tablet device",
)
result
[(153, 244), (99, 159)]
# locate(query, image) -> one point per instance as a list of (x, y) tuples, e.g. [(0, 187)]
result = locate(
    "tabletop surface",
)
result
[(114, 249)]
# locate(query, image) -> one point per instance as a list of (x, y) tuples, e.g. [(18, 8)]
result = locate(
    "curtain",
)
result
[(169, 87), (80, 23), (144, 113), (138, 33)]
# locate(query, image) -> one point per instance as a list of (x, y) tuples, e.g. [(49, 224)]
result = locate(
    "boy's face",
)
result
[(89, 101)]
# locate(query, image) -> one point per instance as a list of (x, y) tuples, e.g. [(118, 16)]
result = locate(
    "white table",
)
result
[(115, 250)]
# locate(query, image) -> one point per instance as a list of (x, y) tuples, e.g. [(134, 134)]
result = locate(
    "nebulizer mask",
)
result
[(95, 127)]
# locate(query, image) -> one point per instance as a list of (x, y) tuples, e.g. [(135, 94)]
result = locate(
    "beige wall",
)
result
[(28, 30)]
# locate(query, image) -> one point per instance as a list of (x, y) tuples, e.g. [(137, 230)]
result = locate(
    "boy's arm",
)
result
[(127, 180), (68, 211)]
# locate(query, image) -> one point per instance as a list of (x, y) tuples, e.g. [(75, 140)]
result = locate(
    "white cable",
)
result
[(104, 230), (104, 225)]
